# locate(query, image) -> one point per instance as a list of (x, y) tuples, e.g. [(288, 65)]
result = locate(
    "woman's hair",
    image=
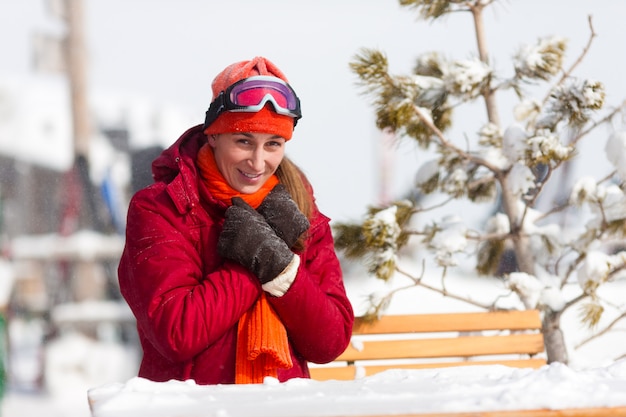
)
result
[(296, 183)]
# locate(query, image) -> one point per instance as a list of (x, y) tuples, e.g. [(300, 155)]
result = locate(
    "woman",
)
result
[(229, 267)]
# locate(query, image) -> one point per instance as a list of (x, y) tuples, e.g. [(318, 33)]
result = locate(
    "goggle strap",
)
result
[(215, 109)]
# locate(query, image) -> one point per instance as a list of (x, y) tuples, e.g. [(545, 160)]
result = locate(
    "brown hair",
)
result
[(296, 183)]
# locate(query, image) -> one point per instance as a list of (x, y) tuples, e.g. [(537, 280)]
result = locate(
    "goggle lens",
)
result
[(254, 95)]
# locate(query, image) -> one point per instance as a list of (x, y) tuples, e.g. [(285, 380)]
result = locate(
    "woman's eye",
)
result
[(274, 144)]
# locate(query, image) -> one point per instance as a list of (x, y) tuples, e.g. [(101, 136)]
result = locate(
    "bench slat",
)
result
[(618, 411), (449, 322), (445, 347), (346, 373)]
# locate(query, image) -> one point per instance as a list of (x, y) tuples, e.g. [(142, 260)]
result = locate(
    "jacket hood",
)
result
[(167, 165)]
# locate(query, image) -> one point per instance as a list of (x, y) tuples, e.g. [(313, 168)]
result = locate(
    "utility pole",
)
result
[(76, 67), (77, 75)]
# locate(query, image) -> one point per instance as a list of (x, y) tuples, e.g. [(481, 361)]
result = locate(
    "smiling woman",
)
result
[(229, 267)]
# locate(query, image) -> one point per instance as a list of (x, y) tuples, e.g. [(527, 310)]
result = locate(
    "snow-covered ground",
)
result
[(394, 392)]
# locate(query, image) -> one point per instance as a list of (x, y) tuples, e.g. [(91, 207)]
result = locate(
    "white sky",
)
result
[(170, 51)]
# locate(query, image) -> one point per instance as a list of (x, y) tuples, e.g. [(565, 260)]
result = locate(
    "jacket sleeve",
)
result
[(180, 310), (316, 310)]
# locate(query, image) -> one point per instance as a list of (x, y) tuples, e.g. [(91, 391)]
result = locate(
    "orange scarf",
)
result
[(262, 343)]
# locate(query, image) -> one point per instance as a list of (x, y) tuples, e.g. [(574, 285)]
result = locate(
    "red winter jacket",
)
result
[(187, 299)]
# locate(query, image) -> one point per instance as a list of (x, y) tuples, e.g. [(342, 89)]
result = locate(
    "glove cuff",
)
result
[(279, 285)]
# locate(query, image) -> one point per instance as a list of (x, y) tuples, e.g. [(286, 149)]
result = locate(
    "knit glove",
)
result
[(282, 213), (247, 239)]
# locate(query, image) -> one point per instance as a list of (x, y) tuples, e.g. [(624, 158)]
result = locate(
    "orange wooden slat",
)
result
[(348, 372), (449, 322), (445, 347), (342, 373), (619, 411), (514, 363)]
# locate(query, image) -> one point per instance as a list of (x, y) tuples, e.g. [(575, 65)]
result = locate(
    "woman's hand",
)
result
[(283, 215), (249, 240)]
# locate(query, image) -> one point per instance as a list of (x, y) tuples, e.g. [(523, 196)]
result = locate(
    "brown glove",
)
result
[(282, 213), (247, 239)]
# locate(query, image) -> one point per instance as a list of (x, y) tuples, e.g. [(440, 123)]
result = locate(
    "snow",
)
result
[(427, 171), (37, 109), (94, 311), (542, 58), (615, 150), (449, 240), (456, 389), (456, 182), (7, 277), (466, 76), (513, 142), (83, 245), (584, 190), (528, 286), (521, 179)]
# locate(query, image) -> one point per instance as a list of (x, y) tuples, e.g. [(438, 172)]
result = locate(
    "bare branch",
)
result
[(574, 301), (436, 206), (600, 122), (444, 292), (447, 144)]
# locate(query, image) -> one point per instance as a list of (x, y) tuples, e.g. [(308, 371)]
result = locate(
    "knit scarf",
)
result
[(262, 344)]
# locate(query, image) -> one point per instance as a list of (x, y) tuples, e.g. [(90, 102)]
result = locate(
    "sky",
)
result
[(169, 51)]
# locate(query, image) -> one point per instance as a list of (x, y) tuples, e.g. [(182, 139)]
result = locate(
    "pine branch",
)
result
[(601, 332), (580, 58)]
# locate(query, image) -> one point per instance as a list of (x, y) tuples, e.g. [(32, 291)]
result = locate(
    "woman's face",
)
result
[(247, 160)]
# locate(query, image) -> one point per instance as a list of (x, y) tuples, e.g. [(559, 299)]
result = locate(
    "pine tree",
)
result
[(508, 165)]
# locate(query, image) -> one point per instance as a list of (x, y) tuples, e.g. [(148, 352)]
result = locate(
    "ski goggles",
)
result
[(252, 94)]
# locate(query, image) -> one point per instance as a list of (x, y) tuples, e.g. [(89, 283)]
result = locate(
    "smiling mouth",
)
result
[(251, 176)]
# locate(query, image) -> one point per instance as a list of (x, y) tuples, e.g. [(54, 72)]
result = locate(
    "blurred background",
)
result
[(91, 91)]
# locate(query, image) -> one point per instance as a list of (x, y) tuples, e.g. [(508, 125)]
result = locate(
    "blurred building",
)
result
[(60, 233)]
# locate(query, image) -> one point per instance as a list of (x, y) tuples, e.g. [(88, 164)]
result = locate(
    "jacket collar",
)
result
[(177, 168)]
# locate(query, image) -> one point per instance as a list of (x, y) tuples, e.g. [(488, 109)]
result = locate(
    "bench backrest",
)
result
[(511, 338)]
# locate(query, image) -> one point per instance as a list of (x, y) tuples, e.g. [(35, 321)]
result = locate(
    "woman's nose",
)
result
[(257, 159)]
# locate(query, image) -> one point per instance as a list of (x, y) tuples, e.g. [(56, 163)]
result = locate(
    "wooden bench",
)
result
[(511, 338)]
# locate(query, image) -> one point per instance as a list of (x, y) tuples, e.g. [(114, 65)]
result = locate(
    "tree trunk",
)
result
[(481, 42), (553, 337), (551, 326)]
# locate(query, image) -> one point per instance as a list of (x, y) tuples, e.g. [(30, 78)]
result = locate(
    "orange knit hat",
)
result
[(263, 121)]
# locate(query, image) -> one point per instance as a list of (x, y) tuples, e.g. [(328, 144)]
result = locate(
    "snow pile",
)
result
[(83, 245), (74, 361), (7, 277), (457, 389)]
